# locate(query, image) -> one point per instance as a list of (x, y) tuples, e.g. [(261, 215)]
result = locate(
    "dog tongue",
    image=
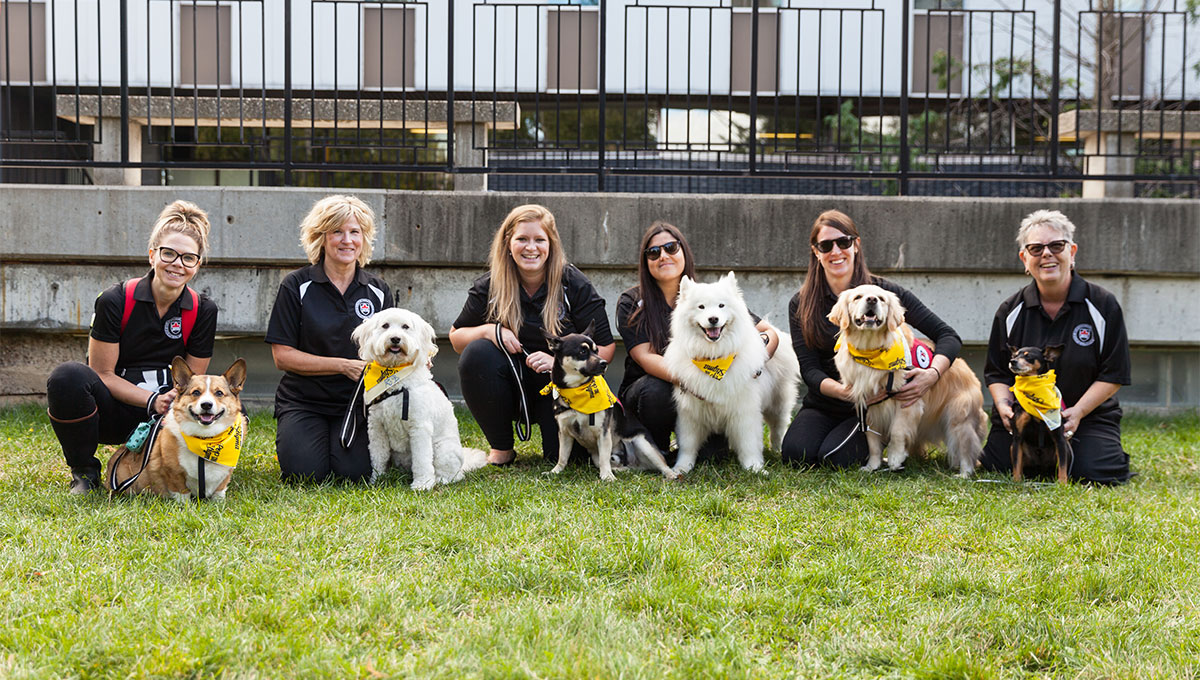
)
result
[(713, 333), (207, 418)]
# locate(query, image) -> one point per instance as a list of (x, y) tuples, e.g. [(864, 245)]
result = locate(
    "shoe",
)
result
[(512, 457), (83, 482)]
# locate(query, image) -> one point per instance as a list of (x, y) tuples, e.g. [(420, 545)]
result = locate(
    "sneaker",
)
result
[(83, 482)]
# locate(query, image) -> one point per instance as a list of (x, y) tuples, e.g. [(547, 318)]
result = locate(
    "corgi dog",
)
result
[(198, 440)]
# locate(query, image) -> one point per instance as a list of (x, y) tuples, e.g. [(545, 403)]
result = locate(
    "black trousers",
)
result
[(84, 414), (309, 448), (818, 437), (1098, 458), (650, 400)]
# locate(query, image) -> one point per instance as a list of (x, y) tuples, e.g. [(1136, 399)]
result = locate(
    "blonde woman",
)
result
[(505, 361), (138, 326), (316, 310)]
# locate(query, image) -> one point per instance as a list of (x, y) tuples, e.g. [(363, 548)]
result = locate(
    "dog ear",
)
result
[(685, 284), (1052, 352), (431, 347), (896, 310), (552, 340), (590, 331), (359, 336), (1012, 351), (840, 315), (235, 375), (181, 373)]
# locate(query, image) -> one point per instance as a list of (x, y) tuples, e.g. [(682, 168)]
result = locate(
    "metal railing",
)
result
[(993, 97)]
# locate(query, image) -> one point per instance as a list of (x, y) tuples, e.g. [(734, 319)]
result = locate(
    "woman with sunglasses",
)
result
[(1060, 308), (825, 431), (137, 328), (644, 321)]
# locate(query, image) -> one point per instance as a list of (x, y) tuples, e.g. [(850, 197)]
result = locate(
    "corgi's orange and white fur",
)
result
[(206, 406)]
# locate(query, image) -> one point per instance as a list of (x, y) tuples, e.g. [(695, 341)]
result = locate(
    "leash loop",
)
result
[(524, 425)]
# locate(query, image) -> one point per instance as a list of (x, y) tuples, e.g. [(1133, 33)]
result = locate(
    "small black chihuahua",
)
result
[(1038, 441)]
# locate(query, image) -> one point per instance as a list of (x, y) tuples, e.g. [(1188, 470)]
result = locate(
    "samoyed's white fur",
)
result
[(711, 321)]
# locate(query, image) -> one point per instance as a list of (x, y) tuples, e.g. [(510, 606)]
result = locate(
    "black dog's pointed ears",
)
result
[(590, 331), (1013, 350), (1052, 352), (552, 340)]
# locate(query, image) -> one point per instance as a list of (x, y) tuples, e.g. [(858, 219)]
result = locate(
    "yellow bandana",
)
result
[(223, 449), (892, 358), (1040, 398), (715, 368), (378, 379), (591, 397)]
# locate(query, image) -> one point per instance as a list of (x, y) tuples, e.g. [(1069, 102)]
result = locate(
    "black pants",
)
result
[(818, 437), (649, 399), (309, 448), (494, 398), (84, 414), (1098, 457)]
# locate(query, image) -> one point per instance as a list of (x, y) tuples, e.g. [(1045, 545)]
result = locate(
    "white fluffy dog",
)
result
[(725, 383), (410, 422)]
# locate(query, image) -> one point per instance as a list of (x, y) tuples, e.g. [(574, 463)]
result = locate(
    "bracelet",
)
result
[(765, 338), (935, 369), (150, 403)]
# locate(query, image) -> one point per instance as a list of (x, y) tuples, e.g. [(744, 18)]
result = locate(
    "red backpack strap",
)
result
[(189, 316), (129, 286)]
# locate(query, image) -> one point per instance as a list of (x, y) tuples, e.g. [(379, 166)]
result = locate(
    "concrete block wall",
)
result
[(62, 245)]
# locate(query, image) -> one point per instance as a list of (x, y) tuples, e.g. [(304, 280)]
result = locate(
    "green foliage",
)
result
[(571, 126), (514, 574)]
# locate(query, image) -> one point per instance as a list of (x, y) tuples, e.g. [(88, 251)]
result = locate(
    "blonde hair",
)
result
[(329, 214), (504, 292), (1046, 218), (182, 217)]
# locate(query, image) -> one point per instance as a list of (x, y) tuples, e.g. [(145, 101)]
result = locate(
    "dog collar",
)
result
[(1040, 398), (378, 379), (715, 368), (223, 449), (591, 397), (894, 357)]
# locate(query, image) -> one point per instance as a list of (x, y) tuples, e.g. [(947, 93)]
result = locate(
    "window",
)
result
[(572, 49), (768, 51), (205, 39), (389, 39), (23, 21), (937, 53)]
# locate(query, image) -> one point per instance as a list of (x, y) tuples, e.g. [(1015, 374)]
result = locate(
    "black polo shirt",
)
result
[(150, 341), (312, 316), (583, 306), (816, 363), (1090, 326)]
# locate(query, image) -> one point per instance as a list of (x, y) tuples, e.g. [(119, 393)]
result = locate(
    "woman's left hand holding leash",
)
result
[(540, 362), (916, 382), (162, 403), (1070, 421)]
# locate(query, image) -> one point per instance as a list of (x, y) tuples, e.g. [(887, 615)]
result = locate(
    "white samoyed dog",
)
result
[(724, 381)]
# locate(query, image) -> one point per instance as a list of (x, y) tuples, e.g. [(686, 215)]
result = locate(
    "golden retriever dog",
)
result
[(871, 320)]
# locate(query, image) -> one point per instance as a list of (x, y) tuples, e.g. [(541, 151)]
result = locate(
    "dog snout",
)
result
[(206, 406), (712, 320), (602, 364), (395, 339)]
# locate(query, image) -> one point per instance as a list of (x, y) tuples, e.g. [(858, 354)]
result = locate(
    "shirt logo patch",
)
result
[(1084, 334), (173, 328), (364, 308), (921, 356)]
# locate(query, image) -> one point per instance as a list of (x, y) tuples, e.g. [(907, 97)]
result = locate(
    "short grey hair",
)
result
[(1046, 218)]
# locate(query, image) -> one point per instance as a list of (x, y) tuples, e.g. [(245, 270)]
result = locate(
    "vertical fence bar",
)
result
[(450, 86), (287, 93), (124, 32), (904, 25), (1054, 79), (753, 84), (602, 89)]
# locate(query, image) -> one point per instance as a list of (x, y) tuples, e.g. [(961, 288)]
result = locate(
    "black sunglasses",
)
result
[(169, 255), (1035, 249), (654, 252), (842, 242)]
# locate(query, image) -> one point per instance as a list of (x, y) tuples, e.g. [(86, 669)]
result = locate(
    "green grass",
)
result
[(513, 574)]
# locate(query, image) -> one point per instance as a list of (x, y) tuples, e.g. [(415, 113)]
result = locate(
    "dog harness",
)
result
[(187, 316), (715, 368), (1040, 398), (378, 380), (895, 357), (591, 397), (222, 449)]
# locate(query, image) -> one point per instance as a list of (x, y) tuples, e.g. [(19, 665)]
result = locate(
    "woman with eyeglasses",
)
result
[(1059, 307), (644, 322), (316, 309), (137, 328), (826, 430)]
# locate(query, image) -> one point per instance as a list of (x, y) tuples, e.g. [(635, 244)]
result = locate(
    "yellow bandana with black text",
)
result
[(593, 396), (891, 358), (1039, 397), (715, 368), (378, 378), (223, 449)]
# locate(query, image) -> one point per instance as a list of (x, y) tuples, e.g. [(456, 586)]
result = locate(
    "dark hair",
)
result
[(651, 316), (810, 312)]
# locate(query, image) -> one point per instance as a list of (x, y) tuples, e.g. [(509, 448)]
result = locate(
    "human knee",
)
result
[(479, 357), (67, 390)]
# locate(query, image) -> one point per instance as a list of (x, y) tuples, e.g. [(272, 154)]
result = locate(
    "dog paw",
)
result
[(424, 485), (670, 474), (869, 468), (607, 477)]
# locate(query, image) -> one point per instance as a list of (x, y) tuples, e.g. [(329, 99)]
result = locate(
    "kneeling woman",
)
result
[(316, 310), (505, 361), (137, 328)]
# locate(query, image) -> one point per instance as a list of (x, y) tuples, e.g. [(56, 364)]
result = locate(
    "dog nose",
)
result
[(872, 300), (712, 320), (603, 364), (206, 406), (395, 340)]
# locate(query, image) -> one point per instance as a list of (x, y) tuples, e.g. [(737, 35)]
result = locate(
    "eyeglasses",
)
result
[(842, 242), (169, 255), (1035, 249), (654, 252)]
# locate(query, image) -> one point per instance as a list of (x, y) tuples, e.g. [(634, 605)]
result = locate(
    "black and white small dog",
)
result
[(1038, 439), (588, 413)]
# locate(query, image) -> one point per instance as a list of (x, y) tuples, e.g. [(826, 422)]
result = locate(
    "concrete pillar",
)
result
[(1098, 146), (108, 149), (467, 136)]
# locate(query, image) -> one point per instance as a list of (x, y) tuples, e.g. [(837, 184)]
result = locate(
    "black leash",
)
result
[(155, 423), (524, 425)]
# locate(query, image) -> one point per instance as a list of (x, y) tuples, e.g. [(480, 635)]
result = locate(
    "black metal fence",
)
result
[(992, 97)]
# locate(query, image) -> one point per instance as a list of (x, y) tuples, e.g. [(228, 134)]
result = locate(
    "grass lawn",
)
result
[(512, 574)]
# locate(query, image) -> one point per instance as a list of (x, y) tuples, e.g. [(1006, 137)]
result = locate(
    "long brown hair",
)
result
[(651, 316), (504, 289), (810, 312)]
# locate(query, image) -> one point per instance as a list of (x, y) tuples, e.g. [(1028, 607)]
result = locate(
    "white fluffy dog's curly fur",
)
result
[(427, 443), (711, 321)]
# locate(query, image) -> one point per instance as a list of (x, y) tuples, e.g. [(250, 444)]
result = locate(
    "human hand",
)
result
[(917, 381), (353, 368), (1005, 410), (508, 340), (162, 402), (540, 362), (1070, 421)]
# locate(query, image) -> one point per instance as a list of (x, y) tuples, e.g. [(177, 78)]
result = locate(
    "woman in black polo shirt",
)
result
[(137, 328), (316, 310), (529, 288), (1060, 308)]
